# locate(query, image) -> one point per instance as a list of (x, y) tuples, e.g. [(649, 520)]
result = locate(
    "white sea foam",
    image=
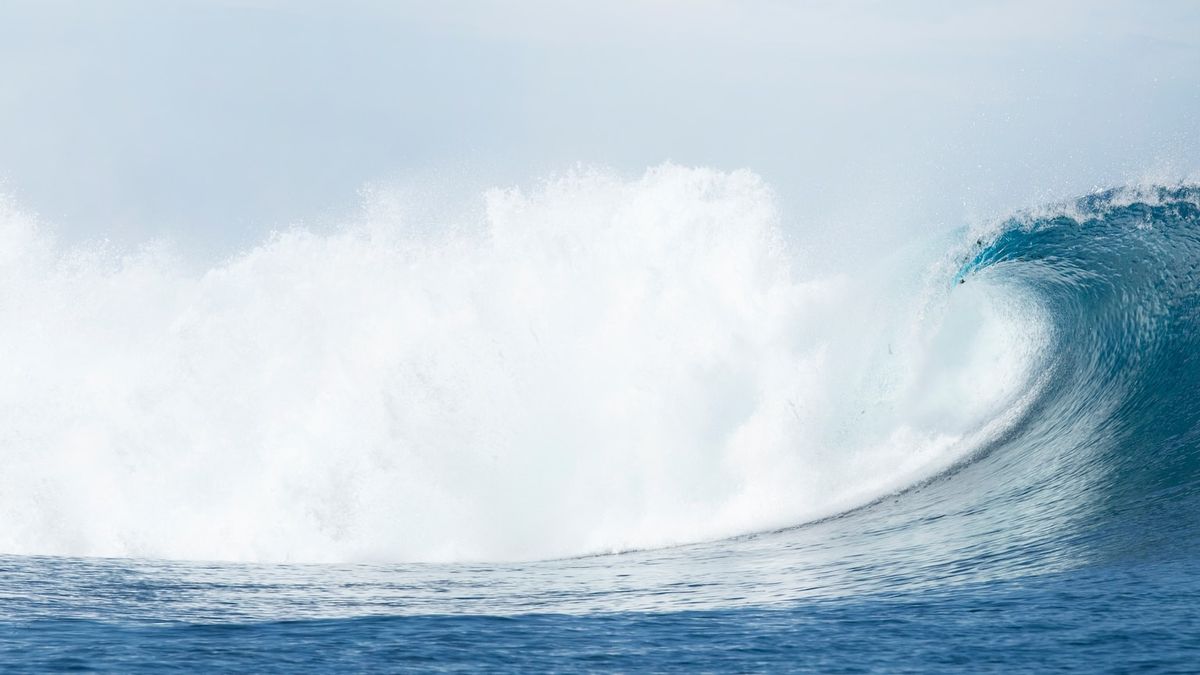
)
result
[(593, 365)]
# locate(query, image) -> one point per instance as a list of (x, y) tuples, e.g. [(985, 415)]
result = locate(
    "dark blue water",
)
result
[(1120, 617), (1071, 543)]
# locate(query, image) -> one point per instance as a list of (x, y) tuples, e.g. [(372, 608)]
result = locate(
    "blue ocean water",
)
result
[(1068, 541), (1115, 618)]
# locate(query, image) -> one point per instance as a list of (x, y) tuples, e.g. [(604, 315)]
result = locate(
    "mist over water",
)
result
[(593, 365)]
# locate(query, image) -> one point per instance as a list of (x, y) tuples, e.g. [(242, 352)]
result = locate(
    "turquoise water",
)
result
[(1069, 541)]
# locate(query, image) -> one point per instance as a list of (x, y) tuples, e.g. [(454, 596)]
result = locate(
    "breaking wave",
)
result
[(594, 365)]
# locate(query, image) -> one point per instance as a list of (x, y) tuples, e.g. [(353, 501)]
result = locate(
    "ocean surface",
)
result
[(613, 425)]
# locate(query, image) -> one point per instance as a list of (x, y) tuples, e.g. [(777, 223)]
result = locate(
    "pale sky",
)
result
[(212, 123)]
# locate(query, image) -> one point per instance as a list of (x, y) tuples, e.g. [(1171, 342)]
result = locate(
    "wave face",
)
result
[(602, 364), (1107, 458)]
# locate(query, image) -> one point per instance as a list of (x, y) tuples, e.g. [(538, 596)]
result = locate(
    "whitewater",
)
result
[(595, 364), (608, 422)]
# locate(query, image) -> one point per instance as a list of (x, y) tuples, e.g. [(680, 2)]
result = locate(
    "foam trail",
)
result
[(596, 365)]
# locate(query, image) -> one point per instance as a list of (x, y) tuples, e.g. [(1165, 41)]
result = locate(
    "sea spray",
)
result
[(591, 365)]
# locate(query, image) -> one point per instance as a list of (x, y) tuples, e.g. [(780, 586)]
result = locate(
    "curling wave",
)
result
[(1104, 462), (1117, 425)]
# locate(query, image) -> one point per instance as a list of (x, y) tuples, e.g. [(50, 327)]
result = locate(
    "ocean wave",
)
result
[(599, 364)]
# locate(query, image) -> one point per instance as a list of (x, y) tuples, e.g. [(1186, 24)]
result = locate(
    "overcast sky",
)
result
[(210, 123)]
